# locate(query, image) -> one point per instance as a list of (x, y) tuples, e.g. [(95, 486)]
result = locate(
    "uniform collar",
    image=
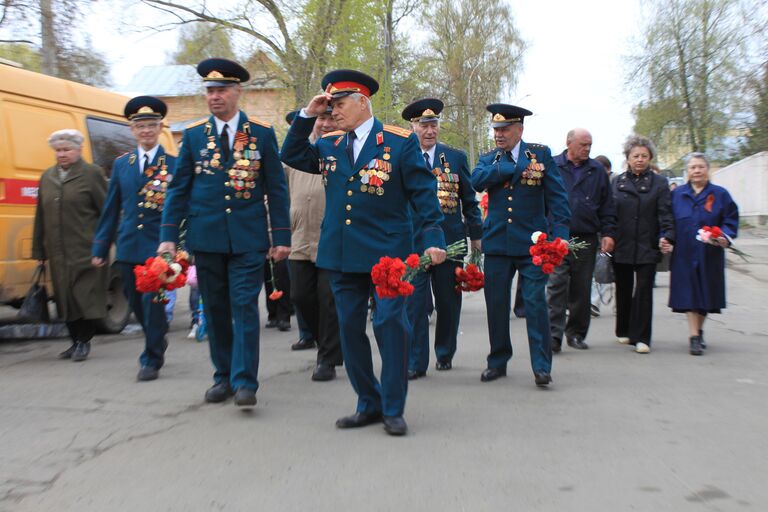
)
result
[(151, 153), (232, 123), (362, 131)]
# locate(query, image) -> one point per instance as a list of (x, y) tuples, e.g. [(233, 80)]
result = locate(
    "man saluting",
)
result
[(365, 219), (228, 163)]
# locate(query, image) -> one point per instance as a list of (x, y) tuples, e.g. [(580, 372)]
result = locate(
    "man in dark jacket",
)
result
[(593, 217)]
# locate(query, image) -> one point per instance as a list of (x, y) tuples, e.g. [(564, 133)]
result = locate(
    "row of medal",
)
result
[(447, 190), (533, 173), (243, 176), (373, 177), (154, 190)]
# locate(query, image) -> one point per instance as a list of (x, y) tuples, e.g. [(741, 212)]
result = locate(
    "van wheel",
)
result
[(118, 310)]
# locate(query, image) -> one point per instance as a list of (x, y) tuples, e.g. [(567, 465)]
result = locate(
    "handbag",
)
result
[(603, 268), (34, 309)]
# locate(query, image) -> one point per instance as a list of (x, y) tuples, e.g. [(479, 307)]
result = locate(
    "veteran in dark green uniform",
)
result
[(372, 173), (131, 218), (228, 163), (524, 188)]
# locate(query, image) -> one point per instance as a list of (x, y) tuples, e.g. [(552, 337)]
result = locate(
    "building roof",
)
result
[(173, 80), (178, 80)]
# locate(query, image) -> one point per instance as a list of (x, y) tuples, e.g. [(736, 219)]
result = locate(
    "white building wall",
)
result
[(747, 181)]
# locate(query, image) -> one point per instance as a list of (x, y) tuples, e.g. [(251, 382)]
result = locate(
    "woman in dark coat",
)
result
[(697, 283), (69, 203), (645, 230)]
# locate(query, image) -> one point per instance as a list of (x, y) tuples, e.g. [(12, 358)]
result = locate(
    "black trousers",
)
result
[(312, 296), (569, 288), (279, 309), (634, 301), (81, 329)]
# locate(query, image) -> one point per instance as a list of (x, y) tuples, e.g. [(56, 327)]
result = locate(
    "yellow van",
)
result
[(32, 106)]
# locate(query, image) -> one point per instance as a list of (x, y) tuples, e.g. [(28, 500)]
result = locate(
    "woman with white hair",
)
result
[(69, 203), (697, 281)]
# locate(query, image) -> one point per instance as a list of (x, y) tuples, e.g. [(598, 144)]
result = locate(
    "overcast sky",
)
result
[(573, 71)]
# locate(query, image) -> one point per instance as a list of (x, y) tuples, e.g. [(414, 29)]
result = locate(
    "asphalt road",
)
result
[(617, 430)]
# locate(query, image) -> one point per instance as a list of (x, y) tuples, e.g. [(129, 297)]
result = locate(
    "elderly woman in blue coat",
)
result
[(697, 282)]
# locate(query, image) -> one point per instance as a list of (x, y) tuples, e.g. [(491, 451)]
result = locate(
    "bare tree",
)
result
[(691, 69)]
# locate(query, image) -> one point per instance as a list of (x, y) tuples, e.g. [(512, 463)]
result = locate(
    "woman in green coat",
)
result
[(69, 203)]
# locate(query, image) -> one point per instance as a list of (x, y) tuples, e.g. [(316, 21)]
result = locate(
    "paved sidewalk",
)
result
[(617, 431)]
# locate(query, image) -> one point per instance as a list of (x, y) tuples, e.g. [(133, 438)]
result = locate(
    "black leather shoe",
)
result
[(576, 342), (245, 397), (701, 339), (557, 345), (442, 366), (271, 324), (542, 379), (357, 420), (413, 374), (82, 350), (324, 372), (696, 348), (67, 354), (147, 373), (303, 344), (218, 393), (490, 374), (284, 326), (395, 425)]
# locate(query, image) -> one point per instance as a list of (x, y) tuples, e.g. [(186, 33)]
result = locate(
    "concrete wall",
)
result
[(747, 181)]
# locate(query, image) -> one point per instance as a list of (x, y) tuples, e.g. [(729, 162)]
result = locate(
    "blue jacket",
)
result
[(520, 199), (590, 197), (457, 198), (365, 221), (134, 207), (225, 199), (697, 278)]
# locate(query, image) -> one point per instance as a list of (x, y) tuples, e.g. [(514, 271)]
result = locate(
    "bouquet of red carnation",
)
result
[(470, 278), (276, 294), (392, 276), (549, 255), (161, 274), (484, 204), (711, 235)]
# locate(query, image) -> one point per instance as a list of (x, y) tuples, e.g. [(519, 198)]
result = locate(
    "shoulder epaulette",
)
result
[(126, 153), (197, 123), (457, 150), (256, 120), (402, 132), (536, 145), (334, 134)]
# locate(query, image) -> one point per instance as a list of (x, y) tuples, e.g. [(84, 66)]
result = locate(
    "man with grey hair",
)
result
[(228, 163), (371, 172), (593, 222)]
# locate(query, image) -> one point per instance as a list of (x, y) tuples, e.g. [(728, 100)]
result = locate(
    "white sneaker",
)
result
[(623, 341), (193, 333), (642, 348)]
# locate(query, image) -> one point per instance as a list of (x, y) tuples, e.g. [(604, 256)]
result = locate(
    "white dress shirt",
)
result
[(151, 154)]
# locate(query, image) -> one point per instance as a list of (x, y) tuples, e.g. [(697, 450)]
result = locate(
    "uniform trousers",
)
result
[(634, 301), (442, 279), (392, 332), (569, 288), (311, 293), (230, 285), (150, 315), (499, 272)]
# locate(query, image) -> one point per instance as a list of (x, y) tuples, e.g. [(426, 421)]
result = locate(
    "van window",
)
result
[(109, 140)]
